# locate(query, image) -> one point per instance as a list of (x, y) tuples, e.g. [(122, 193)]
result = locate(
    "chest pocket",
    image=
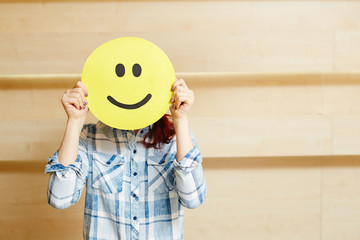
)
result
[(108, 171), (160, 173)]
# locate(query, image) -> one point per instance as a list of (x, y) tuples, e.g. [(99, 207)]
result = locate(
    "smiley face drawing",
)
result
[(129, 83)]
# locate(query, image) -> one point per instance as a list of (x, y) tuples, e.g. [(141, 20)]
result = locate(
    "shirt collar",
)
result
[(109, 131)]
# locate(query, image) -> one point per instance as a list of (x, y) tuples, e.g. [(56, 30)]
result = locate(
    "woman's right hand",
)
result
[(74, 102)]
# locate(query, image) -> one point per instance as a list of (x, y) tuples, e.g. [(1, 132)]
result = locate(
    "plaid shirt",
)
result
[(132, 192)]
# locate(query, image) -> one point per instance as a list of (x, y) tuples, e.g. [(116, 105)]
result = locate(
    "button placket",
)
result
[(134, 234), (134, 198)]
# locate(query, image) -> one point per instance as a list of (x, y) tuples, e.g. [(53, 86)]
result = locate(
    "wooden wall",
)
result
[(248, 198), (293, 114), (49, 36), (276, 82)]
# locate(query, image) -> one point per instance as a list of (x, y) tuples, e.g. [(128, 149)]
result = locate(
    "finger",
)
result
[(78, 98), (172, 109), (179, 94), (175, 92), (74, 102), (81, 85), (77, 91), (179, 88), (78, 94), (178, 104), (187, 99), (184, 98), (81, 93), (180, 91), (179, 82), (178, 101)]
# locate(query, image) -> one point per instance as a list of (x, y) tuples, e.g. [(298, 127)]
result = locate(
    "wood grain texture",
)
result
[(341, 199), (347, 50), (250, 198), (199, 36), (254, 114), (259, 198), (250, 114), (24, 212)]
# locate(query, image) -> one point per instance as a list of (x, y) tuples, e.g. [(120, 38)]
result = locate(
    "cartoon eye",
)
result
[(120, 70), (136, 69)]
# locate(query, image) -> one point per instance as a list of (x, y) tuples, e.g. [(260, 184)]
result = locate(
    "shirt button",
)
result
[(134, 195), (134, 151), (135, 218), (135, 173)]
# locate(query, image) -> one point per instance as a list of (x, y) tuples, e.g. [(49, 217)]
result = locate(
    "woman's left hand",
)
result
[(182, 100)]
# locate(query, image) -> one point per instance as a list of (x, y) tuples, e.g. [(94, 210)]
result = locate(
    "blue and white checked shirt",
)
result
[(132, 192)]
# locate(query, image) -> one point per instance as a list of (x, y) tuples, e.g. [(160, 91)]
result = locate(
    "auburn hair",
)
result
[(160, 132)]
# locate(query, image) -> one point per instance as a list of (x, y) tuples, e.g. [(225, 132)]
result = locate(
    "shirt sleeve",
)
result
[(189, 178), (67, 183)]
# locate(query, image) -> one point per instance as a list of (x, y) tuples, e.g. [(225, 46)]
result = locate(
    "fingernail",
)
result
[(85, 103), (172, 99), (86, 94)]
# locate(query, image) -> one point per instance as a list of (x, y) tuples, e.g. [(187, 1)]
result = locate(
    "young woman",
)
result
[(137, 182)]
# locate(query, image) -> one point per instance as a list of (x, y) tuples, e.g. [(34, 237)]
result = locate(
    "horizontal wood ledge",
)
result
[(213, 162), (210, 78)]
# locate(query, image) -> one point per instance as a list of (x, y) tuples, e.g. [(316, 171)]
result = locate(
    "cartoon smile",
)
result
[(130, 106), (129, 82)]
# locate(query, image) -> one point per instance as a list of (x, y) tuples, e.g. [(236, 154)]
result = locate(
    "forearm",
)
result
[(189, 180), (68, 167), (183, 139), (68, 150), (62, 189), (190, 183), (190, 186)]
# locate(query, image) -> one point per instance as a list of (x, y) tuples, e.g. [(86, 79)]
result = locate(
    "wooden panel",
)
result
[(248, 114), (251, 198), (247, 36), (24, 212), (263, 136), (347, 50), (346, 132), (258, 198), (341, 102), (27, 16), (340, 93), (341, 199), (192, 52)]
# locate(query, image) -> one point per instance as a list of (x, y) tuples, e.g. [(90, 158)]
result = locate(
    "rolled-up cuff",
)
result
[(62, 171), (191, 160)]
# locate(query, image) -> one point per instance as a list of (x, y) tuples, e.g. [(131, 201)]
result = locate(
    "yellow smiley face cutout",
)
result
[(129, 83)]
